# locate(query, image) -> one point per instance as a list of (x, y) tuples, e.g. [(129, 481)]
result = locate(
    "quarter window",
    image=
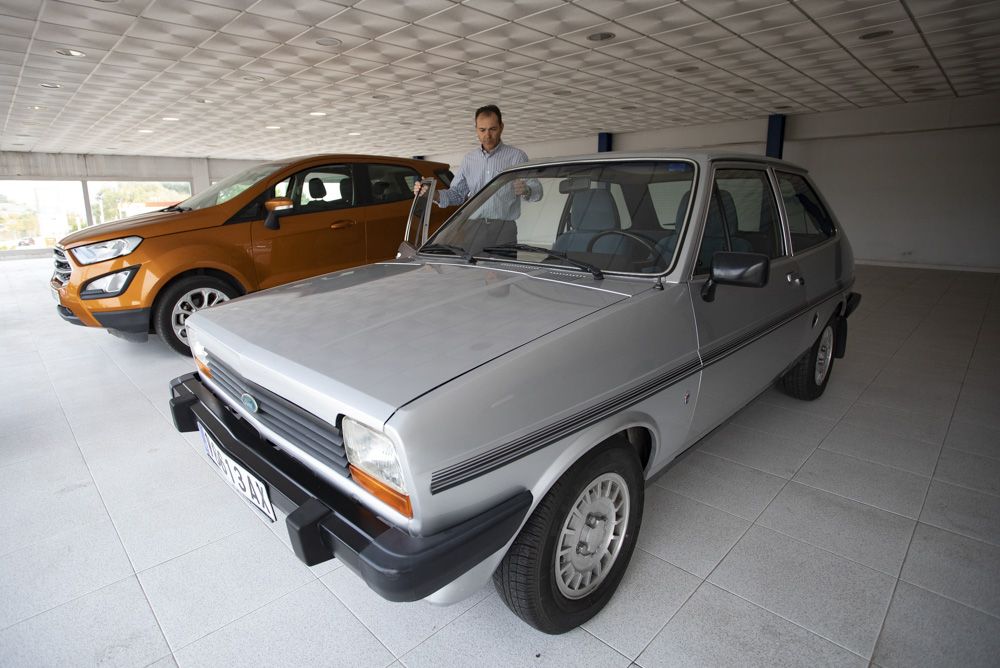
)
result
[(392, 183), (808, 220), (742, 217)]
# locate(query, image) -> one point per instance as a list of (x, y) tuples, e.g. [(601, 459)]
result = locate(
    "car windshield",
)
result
[(608, 216), (228, 188)]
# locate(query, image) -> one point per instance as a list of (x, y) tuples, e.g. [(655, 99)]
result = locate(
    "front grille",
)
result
[(316, 437), (63, 268)]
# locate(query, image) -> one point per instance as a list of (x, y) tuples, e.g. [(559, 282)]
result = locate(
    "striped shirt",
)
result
[(477, 169)]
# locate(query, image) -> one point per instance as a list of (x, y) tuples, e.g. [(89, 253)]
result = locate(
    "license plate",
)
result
[(238, 477), (55, 295)]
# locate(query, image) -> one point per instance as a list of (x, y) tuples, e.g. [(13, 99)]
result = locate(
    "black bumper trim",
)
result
[(68, 315), (324, 523), (133, 321)]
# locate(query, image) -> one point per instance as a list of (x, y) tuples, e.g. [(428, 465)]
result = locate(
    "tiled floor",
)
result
[(860, 528)]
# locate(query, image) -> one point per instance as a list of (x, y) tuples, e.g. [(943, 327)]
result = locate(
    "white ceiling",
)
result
[(407, 76)]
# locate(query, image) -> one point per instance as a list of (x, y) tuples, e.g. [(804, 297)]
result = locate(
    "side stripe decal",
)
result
[(474, 467)]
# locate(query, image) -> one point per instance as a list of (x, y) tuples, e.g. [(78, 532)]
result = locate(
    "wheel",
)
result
[(181, 300), (571, 554), (808, 378)]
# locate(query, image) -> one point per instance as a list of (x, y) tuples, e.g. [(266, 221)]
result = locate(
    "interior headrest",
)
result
[(594, 210), (316, 188)]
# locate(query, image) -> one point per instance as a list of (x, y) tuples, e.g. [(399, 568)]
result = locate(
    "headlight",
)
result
[(105, 250), (374, 465), (373, 453), (109, 285)]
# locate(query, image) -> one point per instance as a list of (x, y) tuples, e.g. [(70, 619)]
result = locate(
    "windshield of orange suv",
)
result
[(228, 188), (609, 216)]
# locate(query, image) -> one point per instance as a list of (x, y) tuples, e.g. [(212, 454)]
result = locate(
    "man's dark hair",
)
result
[(489, 109)]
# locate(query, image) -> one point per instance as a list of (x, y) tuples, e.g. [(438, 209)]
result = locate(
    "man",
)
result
[(481, 164)]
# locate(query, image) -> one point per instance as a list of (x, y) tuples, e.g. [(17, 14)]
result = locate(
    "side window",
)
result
[(281, 190), (742, 217), (323, 188), (391, 183), (255, 209), (808, 221)]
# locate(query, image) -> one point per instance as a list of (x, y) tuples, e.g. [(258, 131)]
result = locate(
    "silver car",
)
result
[(490, 404)]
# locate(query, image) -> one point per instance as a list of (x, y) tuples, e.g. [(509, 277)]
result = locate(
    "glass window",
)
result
[(114, 200), (230, 187), (601, 214), (323, 188), (37, 214), (742, 217), (392, 183), (808, 221)]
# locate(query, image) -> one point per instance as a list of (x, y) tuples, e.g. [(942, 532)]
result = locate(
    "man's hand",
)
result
[(521, 188), (419, 189)]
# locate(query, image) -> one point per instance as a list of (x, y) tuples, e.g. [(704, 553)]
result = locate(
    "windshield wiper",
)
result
[(579, 264), (176, 207), (448, 248)]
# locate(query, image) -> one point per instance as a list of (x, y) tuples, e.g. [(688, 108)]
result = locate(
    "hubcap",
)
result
[(824, 355), (592, 536), (192, 301)]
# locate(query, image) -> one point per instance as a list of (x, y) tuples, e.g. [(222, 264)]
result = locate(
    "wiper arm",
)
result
[(448, 248), (579, 264)]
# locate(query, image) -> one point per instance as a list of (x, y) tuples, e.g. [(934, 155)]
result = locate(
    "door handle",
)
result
[(341, 224), (795, 277)]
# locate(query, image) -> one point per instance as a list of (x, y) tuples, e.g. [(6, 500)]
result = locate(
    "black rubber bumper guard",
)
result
[(324, 523)]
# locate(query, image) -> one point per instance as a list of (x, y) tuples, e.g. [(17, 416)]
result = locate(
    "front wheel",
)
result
[(182, 299), (569, 557), (808, 378)]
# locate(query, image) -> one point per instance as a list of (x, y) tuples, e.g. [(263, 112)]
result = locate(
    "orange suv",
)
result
[(265, 226)]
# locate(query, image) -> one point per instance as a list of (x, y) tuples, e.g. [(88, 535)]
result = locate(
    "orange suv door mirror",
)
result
[(275, 207)]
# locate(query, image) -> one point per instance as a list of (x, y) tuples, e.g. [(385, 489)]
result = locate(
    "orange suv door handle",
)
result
[(341, 224)]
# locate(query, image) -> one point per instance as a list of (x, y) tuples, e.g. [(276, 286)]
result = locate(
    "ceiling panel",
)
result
[(611, 66)]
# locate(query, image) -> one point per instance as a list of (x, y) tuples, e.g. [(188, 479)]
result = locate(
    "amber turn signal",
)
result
[(382, 492)]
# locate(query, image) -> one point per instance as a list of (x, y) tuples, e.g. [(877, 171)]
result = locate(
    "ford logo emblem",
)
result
[(249, 403)]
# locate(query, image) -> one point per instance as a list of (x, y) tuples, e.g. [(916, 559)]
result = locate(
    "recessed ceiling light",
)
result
[(170, 118), (906, 68), (562, 92), (272, 127), (252, 77), (468, 72), (353, 134), (629, 107), (380, 96), (317, 113), (921, 91), (71, 52), (49, 84), (687, 68), (329, 41), (743, 91), (876, 34), (146, 132), (600, 36), (109, 2), (203, 100), (783, 106), (36, 107)]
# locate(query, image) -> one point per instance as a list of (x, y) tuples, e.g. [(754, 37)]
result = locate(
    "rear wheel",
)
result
[(182, 299), (808, 378), (571, 554)]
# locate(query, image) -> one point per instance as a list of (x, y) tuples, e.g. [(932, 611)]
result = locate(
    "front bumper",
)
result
[(324, 523)]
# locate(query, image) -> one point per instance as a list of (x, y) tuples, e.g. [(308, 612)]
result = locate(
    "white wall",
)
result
[(199, 171), (915, 184)]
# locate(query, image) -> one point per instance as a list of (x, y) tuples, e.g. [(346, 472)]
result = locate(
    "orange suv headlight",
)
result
[(105, 250)]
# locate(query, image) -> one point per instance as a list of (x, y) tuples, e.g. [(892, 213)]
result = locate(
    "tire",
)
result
[(527, 578), (181, 300), (808, 378)]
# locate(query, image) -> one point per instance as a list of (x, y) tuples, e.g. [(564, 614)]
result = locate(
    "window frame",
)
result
[(775, 171), (298, 183)]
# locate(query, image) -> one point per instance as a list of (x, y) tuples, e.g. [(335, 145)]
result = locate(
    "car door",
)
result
[(391, 191), (323, 232), (746, 336)]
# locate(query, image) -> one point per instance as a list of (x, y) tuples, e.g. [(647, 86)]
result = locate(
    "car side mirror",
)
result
[(748, 270), (406, 251), (275, 207)]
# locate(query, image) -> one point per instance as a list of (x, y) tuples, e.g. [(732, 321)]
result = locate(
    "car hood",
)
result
[(369, 340), (152, 224)]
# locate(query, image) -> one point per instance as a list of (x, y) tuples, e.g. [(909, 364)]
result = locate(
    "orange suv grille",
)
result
[(316, 437), (63, 268)]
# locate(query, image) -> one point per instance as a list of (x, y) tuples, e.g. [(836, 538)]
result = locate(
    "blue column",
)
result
[(775, 135), (604, 142), (418, 157)]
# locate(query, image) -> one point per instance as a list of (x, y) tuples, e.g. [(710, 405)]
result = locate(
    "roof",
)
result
[(697, 156)]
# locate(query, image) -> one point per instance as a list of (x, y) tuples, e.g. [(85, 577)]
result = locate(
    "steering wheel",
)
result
[(647, 243)]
